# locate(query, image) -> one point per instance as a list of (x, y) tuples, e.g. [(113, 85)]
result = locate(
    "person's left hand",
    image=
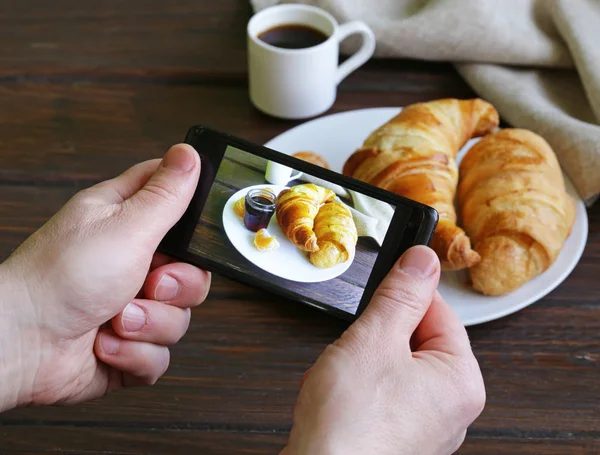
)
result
[(86, 306)]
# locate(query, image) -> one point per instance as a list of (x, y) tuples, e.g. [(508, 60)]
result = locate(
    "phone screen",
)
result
[(349, 228)]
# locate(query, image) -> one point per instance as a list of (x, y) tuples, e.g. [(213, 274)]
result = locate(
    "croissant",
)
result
[(514, 206), (336, 235), (313, 158), (296, 210), (414, 154)]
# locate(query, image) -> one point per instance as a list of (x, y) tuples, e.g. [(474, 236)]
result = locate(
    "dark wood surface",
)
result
[(88, 90)]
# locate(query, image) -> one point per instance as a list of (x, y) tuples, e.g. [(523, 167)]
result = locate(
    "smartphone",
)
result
[(215, 236)]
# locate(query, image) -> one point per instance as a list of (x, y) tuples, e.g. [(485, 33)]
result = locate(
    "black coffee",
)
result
[(293, 36)]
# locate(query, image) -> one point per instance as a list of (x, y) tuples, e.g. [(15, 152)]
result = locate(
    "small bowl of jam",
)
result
[(260, 205)]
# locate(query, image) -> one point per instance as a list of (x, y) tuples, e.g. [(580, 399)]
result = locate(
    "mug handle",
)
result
[(362, 55), (294, 177)]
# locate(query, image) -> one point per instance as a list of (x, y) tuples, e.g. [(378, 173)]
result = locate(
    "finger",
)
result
[(157, 206), (459, 441), (146, 361), (153, 322), (403, 297), (160, 259), (441, 330), (178, 284), (122, 187)]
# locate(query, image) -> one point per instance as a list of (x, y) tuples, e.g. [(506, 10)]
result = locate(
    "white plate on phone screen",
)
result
[(336, 136), (287, 261)]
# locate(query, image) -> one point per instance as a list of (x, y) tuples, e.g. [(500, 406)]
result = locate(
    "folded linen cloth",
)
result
[(537, 61), (371, 217)]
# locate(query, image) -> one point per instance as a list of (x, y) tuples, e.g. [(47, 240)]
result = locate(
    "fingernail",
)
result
[(167, 288), (178, 159), (419, 262), (134, 318), (109, 344), (208, 283)]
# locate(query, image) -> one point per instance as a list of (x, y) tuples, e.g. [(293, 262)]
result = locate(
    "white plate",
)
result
[(336, 136), (287, 261)]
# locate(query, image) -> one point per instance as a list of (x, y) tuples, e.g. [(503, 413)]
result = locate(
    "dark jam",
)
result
[(259, 208)]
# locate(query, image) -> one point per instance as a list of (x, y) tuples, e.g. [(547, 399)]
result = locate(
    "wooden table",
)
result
[(89, 89)]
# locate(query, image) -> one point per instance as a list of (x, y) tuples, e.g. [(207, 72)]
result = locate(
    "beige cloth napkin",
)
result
[(537, 61), (371, 217)]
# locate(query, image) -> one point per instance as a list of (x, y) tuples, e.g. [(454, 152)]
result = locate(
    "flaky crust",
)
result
[(296, 210), (336, 235), (414, 155), (514, 207), (313, 158)]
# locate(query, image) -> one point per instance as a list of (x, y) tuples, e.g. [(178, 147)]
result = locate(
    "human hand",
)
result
[(86, 305), (401, 379)]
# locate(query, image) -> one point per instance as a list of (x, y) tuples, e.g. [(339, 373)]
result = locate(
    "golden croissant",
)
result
[(336, 235), (514, 207), (296, 210), (414, 155)]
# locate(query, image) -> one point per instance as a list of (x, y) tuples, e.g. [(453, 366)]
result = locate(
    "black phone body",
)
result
[(229, 166)]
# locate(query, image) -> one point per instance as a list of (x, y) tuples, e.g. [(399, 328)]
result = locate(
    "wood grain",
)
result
[(125, 441), (75, 440), (176, 42), (85, 133), (131, 38), (528, 444)]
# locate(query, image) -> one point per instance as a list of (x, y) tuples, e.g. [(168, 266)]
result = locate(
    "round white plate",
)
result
[(287, 261), (336, 136)]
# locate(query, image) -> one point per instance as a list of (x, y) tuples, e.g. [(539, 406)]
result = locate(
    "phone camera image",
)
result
[(299, 233)]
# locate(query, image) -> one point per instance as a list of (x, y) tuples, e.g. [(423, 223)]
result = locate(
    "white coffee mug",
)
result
[(300, 83), (278, 174)]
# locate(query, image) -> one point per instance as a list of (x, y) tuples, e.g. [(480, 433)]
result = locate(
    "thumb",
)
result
[(403, 297), (164, 197)]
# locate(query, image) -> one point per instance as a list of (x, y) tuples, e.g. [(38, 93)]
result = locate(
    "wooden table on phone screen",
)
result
[(89, 89)]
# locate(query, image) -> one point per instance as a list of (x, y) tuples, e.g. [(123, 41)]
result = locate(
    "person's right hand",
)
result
[(401, 380)]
